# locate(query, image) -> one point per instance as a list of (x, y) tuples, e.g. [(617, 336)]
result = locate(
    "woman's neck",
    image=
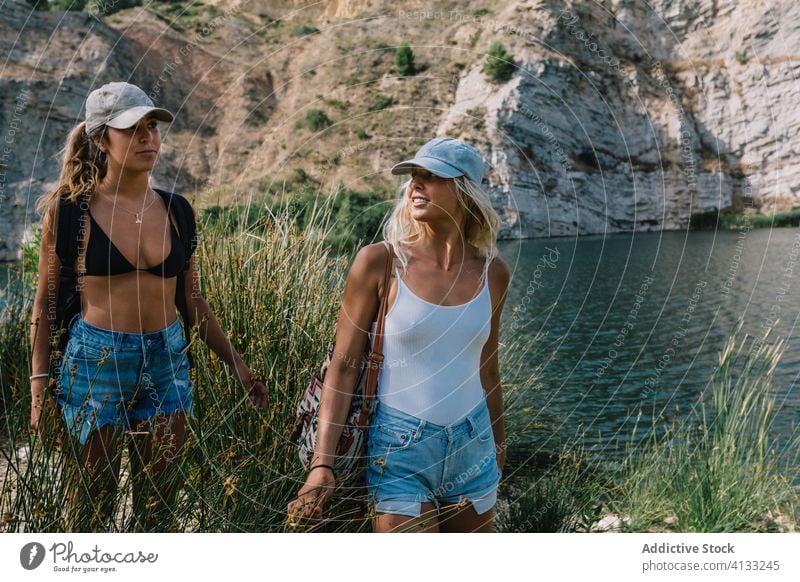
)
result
[(446, 246), (126, 184)]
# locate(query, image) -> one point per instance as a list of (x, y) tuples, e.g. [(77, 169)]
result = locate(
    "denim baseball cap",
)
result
[(445, 157), (120, 105)]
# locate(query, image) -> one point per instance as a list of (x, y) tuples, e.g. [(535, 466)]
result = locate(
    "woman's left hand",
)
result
[(257, 391)]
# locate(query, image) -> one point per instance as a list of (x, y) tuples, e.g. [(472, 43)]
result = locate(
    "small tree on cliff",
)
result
[(404, 61), (499, 65)]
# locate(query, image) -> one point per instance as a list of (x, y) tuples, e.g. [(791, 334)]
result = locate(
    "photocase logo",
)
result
[(31, 555)]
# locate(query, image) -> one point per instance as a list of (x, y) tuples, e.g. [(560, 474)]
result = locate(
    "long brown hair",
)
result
[(83, 166)]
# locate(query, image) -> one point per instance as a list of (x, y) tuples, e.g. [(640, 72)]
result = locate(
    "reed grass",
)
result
[(721, 470), (565, 497)]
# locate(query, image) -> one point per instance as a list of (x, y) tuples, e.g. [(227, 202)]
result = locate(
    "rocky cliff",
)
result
[(54, 59), (621, 115), (627, 117)]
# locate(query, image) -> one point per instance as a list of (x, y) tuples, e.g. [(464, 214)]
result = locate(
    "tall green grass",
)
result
[(565, 497), (720, 471)]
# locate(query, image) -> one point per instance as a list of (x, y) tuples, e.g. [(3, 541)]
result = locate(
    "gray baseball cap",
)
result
[(446, 157), (120, 105)]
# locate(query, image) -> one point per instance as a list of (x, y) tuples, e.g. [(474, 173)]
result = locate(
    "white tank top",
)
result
[(432, 354)]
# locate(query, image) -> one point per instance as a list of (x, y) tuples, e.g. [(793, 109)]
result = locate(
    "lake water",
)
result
[(636, 322), (4, 267)]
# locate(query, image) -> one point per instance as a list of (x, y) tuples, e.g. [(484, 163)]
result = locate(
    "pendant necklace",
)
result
[(138, 215)]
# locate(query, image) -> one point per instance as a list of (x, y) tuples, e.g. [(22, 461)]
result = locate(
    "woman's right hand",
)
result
[(312, 496), (37, 401)]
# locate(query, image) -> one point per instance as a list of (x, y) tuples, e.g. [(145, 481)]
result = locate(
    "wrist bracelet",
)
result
[(34, 376), (326, 466)]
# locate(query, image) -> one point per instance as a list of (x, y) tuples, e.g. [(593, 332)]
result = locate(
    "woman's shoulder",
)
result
[(375, 252), (181, 209), (369, 264), (174, 196), (499, 272), (372, 257)]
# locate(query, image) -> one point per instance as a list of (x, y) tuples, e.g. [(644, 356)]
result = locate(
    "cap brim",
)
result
[(433, 165), (131, 116)]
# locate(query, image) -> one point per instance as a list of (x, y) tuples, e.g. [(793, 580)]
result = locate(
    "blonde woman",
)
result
[(126, 365), (436, 444)]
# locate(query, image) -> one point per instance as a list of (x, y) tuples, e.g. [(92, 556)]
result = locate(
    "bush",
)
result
[(404, 61), (104, 7), (562, 499), (358, 215), (381, 102), (301, 175), (584, 9), (316, 120), (727, 220), (304, 30), (107, 7), (499, 65), (72, 5)]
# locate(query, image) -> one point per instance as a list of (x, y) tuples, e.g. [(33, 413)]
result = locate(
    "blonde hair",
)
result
[(481, 224), (83, 166)]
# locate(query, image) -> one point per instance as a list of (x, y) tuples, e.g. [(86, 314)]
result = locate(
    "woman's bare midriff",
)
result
[(137, 302)]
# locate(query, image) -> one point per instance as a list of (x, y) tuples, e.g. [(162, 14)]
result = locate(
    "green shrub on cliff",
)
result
[(316, 119), (103, 7), (499, 65), (404, 61)]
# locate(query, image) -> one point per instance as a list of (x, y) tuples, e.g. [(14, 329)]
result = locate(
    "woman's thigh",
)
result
[(462, 518), (426, 522)]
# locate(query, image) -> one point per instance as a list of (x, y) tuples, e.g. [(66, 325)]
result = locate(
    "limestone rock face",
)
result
[(635, 119)]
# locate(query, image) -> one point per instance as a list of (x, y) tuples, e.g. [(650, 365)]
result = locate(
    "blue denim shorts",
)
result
[(412, 461), (120, 378)]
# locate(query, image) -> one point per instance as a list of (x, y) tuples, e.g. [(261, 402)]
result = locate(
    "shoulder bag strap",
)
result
[(67, 235), (181, 210), (376, 352)]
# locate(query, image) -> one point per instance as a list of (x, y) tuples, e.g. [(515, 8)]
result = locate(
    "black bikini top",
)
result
[(104, 258)]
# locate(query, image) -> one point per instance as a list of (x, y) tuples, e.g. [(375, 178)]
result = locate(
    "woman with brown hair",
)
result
[(126, 364), (436, 442)]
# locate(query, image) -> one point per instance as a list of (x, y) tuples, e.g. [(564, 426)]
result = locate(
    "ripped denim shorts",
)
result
[(412, 461), (120, 378)]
